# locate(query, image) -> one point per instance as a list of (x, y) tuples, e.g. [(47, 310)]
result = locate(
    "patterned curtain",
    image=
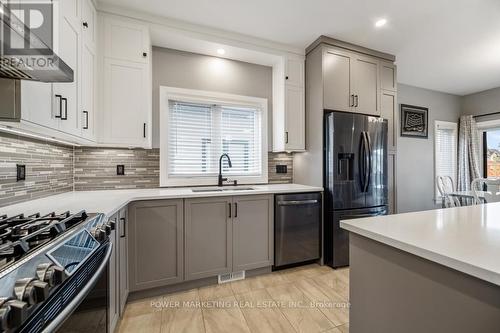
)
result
[(468, 153)]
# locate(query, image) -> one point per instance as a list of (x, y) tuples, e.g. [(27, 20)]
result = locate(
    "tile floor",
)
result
[(308, 299)]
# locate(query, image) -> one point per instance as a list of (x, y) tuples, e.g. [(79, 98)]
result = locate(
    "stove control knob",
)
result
[(31, 291), (12, 314), (112, 224), (99, 234), (107, 228), (50, 273)]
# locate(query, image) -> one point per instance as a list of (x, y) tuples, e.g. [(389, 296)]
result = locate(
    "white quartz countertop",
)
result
[(466, 239), (110, 201)]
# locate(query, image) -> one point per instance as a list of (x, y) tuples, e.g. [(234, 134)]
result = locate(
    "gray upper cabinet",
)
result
[(337, 80), (388, 76), (252, 232), (365, 85), (122, 234), (208, 237), (156, 243), (350, 82)]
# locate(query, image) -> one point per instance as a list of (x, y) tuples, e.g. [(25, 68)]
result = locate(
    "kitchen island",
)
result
[(432, 271)]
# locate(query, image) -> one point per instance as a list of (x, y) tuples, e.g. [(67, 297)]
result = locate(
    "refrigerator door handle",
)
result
[(368, 152), (361, 162)]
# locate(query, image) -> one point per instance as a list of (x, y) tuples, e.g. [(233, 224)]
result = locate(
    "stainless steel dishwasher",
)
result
[(297, 228)]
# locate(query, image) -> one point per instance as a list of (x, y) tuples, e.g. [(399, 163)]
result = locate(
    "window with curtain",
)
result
[(445, 137), (198, 133)]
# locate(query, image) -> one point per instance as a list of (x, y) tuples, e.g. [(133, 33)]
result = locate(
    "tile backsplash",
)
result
[(53, 168), (49, 169), (95, 168)]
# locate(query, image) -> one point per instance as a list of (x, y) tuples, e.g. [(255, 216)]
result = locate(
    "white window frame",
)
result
[(207, 97), (446, 125)]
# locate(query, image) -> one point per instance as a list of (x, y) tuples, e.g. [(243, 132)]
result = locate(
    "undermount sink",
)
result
[(219, 189)]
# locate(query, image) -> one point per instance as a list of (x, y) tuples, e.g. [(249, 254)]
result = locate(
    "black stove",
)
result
[(45, 262)]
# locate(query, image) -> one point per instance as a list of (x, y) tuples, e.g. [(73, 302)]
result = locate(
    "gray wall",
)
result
[(179, 69), (481, 103), (415, 169)]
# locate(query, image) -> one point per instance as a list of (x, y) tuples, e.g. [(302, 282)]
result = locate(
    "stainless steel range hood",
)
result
[(39, 64)]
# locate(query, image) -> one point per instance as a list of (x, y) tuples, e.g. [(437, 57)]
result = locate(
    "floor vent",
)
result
[(230, 277)]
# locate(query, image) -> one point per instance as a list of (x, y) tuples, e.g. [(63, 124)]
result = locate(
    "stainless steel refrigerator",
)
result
[(355, 178)]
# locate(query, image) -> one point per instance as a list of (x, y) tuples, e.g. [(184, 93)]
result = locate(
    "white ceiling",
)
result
[(446, 45)]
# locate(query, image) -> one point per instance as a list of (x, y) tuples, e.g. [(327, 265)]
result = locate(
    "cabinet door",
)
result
[(122, 226), (389, 111), (113, 270), (36, 104), (294, 71), (89, 27), (294, 118), (155, 243), (126, 40), (88, 83), (366, 85), (252, 232), (391, 170), (125, 103), (388, 76), (69, 51), (208, 237), (337, 81)]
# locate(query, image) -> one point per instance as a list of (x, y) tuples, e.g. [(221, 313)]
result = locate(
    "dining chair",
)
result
[(446, 186), (486, 190)]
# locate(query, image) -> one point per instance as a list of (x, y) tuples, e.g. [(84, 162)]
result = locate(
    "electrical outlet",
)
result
[(281, 169), (120, 170), (20, 172)]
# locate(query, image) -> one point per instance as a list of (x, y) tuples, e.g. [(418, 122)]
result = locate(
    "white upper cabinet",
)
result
[(289, 116), (351, 82), (126, 40), (294, 71), (36, 104), (88, 105), (294, 119), (126, 92), (89, 23), (66, 95)]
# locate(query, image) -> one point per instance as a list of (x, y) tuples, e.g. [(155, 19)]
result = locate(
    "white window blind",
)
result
[(199, 133), (446, 137)]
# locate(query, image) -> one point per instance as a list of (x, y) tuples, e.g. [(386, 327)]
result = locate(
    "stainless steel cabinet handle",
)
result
[(230, 206), (144, 130), (297, 202), (235, 209), (286, 137), (357, 101), (351, 100)]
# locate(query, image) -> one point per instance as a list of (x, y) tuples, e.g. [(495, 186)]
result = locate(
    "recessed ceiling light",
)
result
[(221, 51), (380, 23)]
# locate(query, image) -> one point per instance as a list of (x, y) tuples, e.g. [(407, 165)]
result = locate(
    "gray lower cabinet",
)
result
[(113, 275), (228, 234), (156, 244), (253, 232), (122, 230), (208, 237)]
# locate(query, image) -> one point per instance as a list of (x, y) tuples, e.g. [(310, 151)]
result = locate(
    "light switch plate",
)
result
[(281, 169), (20, 172)]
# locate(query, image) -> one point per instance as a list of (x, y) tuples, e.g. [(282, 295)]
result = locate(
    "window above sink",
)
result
[(196, 127)]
